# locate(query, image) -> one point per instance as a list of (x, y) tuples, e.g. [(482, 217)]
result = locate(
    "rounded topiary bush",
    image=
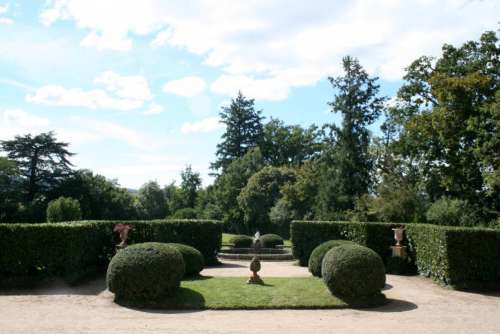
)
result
[(319, 252), (353, 272), (241, 241), (63, 209), (145, 272), (193, 259), (271, 240)]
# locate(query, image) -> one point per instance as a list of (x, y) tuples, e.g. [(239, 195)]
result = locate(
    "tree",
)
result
[(348, 165), (243, 131), (450, 120), (42, 161), (190, 185), (229, 185), (261, 193), (63, 209), (288, 144), (152, 201), (99, 197), (10, 189), (174, 197)]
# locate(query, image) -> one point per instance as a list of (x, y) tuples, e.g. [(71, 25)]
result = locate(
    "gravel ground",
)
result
[(417, 306)]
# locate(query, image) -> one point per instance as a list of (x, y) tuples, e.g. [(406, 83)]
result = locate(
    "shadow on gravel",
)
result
[(90, 287), (387, 287), (394, 306)]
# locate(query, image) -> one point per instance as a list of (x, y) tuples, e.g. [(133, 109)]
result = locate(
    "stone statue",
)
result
[(255, 264)]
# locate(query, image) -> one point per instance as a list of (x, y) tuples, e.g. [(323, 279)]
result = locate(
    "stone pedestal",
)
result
[(399, 251)]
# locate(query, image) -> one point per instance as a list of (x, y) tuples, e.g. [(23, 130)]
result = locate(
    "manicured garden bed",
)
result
[(232, 293)]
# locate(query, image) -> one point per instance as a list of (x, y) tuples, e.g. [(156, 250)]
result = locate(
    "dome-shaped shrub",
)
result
[(145, 272), (193, 259), (271, 240), (319, 252), (241, 241), (353, 271)]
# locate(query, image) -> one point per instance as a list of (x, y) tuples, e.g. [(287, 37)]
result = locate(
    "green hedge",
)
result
[(460, 257), (306, 235), (204, 235), (70, 249), (60, 249)]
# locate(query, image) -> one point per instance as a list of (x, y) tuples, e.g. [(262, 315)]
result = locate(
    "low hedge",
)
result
[(241, 241), (460, 257), (54, 249), (70, 250), (306, 235), (193, 259), (271, 240)]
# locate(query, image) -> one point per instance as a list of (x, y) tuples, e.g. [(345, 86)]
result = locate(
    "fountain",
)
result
[(255, 264)]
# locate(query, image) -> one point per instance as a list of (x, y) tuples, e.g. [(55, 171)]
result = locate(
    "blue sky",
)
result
[(135, 87)]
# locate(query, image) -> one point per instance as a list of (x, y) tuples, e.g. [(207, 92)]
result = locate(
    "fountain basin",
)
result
[(265, 254)]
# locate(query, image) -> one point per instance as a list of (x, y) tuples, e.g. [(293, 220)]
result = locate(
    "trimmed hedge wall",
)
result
[(70, 250), (458, 256), (306, 235)]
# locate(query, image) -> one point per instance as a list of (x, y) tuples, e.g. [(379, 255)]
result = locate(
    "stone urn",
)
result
[(255, 264), (399, 250), (122, 230), (398, 235)]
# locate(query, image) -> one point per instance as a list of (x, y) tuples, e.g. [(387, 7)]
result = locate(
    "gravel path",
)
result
[(418, 306)]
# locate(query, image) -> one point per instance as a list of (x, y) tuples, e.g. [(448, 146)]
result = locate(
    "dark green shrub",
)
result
[(63, 209), (306, 235), (241, 241), (271, 240), (451, 212), (185, 213), (145, 273), (193, 259), (319, 252), (399, 266), (353, 271)]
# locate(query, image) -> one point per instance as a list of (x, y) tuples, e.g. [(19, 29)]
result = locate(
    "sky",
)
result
[(136, 87)]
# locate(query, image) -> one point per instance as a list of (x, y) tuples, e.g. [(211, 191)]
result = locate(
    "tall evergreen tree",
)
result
[(190, 185), (243, 131), (348, 165), (43, 161)]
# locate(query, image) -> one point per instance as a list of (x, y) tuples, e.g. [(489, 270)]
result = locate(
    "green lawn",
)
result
[(227, 236), (232, 293)]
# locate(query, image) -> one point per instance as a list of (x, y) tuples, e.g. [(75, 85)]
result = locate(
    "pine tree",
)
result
[(348, 167), (243, 131)]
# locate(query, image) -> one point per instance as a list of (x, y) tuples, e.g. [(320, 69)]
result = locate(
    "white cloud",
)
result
[(120, 93), (154, 109), (261, 89), (18, 122), (134, 86), (187, 87), (205, 125), (280, 44), (5, 20)]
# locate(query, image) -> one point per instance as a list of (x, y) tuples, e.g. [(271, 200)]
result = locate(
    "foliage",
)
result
[(10, 189), (353, 271), (193, 259), (63, 209), (190, 185), (241, 241), (42, 161), (99, 197), (229, 185), (289, 145), (448, 120), (243, 131), (145, 272), (460, 257), (451, 212), (185, 213), (271, 240), (307, 235), (66, 250), (347, 165), (152, 201), (261, 193), (317, 255), (397, 265)]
